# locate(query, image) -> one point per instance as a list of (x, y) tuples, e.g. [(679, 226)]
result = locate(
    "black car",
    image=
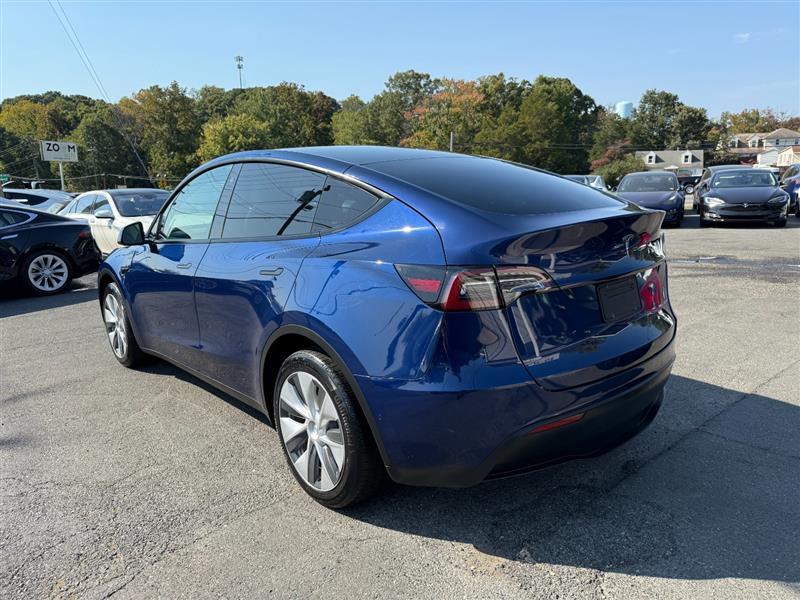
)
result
[(688, 178), (42, 250), (39, 199), (708, 173), (655, 189), (743, 195)]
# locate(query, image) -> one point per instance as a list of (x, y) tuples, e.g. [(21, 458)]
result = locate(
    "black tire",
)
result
[(781, 223), (64, 264), (704, 223), (132, 356), (689, 189), (363, 473)]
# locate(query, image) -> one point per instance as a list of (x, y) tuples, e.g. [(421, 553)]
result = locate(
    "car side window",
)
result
[(100, 202), (12, 217), (270, 200), (341, 204), (191, 213), (84, 204)]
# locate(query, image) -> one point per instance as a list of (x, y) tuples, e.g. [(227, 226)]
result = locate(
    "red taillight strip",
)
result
[(555, 424)]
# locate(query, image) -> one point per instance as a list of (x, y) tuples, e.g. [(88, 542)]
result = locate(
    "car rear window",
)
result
[(495, 185)]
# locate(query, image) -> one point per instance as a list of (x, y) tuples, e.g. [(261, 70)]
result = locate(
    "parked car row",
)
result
[(48, 237)]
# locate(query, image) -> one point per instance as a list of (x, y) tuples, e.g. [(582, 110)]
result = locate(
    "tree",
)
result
[(651, 121), (612, 130), (233, 133), (690, 126), (293, 116), (102, 147), (349, 123), (412, 87), (165, 121), (456, 109), (555, 125), (213, 102), (613, 172), (30, 122)]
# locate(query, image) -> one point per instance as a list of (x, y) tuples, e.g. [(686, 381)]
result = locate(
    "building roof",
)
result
[(794, 149), (781, 133)]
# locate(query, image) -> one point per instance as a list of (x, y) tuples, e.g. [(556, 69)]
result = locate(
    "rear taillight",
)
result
[(84, 234), (475, 289), (651, 291), (480, 288)]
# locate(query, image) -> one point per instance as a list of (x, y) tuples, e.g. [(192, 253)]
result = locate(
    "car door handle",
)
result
[(271, 271), (9, 237), (184, 265)]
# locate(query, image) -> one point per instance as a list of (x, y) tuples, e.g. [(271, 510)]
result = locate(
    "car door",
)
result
[(13, 241), (247, 274), (103, 230), (160, 277)]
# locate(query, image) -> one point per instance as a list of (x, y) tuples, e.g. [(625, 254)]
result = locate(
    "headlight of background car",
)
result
[(713, 201), (779, 198), (674, 198)]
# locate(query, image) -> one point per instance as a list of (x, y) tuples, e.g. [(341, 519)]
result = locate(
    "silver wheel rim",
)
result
[(114, 318), (48, 272), (311, 431)]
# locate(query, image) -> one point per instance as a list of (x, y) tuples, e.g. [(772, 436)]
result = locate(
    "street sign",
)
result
[(60, 151), (4, 177)]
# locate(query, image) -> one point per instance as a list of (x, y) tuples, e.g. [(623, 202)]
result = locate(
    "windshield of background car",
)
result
[(139, 204), (730, 179), (652, 182)]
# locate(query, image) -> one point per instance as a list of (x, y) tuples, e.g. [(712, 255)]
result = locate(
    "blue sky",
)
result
[(722, 56)]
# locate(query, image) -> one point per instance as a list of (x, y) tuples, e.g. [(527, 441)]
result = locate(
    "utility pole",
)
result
[(61, 173), (239, 65), (452, 139)]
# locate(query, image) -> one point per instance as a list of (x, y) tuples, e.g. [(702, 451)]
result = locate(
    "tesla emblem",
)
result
[(745, 205)]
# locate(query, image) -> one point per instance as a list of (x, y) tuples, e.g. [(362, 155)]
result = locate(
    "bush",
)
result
[(614, 171)]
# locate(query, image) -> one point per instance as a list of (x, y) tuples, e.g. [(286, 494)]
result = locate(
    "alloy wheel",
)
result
[(48, 272), (114, 318), (311, 430)]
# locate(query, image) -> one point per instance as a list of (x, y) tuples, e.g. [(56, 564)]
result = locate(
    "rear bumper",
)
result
[(459, 438)]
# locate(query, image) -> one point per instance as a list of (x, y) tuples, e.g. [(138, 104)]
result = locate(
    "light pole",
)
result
[(239, 65)]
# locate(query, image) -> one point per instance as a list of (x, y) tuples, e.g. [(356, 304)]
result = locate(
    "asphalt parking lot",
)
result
[(149, 483)]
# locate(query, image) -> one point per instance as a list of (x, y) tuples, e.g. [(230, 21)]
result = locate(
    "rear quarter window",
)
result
[(495, 185), (340, 205)]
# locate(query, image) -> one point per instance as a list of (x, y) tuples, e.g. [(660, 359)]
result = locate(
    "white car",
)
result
[(109, 211)]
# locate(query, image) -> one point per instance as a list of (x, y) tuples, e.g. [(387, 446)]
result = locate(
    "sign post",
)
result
[(60, 152)]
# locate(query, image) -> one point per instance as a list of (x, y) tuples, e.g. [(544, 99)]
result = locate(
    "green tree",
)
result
[(651, 121), (101, 146), (555, 125), (611, 130), (233, 133), (690, 126), (164, 121), (412, 87), (350, 122), (30, 122), (213, 102), (291, 114)]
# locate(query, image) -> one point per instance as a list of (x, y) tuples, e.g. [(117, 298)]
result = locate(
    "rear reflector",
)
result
[(560, 423)]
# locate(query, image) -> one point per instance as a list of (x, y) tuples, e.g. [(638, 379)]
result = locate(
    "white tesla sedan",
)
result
[(109, 211)]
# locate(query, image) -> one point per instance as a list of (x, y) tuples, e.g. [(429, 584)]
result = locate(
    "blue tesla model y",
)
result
[(436, 317)]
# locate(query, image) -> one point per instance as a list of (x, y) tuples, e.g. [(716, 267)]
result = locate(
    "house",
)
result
[(748, 147), (780, 138), (660, 160), (788, 157)]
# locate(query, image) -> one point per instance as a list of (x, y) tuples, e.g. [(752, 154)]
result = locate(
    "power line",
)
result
[(93, 74)]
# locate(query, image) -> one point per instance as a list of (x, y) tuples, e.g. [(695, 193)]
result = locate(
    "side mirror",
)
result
[(131, 235), (104, 212)]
